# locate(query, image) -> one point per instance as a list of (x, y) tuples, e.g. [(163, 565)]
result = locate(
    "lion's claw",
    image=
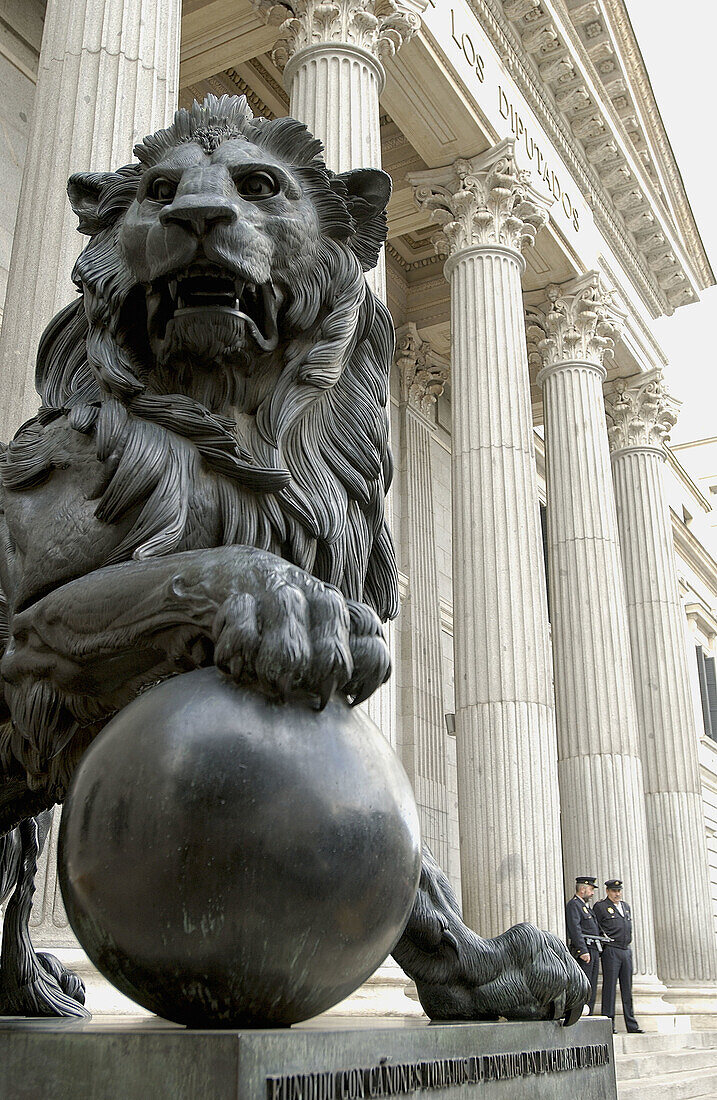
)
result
[(371, 657), (296, 635), (573, 1014)]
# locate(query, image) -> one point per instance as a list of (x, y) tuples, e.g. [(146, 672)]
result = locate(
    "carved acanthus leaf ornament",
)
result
[(580, 322), (486, 200), (380, 27), (640, 413), (423, 376)]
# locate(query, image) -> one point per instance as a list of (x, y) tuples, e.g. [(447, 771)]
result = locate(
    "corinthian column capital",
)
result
[(578, 323), (423, 375), (640, 413), (380, 27), (484, 201)]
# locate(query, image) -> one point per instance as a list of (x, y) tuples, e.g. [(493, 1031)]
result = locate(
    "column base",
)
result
[(388, 992), (668, 1009), (653, 1008), (698, 999)]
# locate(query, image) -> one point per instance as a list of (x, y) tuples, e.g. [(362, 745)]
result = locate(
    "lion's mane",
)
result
[(310, 480)]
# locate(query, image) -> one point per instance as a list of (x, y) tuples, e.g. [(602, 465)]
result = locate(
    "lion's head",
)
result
[(226, 319)]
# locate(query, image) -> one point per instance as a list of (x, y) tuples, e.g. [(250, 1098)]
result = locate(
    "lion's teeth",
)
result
[(173, 288)]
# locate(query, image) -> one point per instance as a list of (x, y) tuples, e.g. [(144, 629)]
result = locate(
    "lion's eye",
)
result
[(257, 185), (161, 190)]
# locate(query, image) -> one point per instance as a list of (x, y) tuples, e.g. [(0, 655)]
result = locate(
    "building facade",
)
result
[(554, 699)]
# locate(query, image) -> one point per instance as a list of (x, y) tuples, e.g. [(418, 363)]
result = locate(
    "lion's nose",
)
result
[(199, 216)]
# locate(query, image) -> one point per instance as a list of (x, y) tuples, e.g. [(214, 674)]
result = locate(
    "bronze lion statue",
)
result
[(204, 483)]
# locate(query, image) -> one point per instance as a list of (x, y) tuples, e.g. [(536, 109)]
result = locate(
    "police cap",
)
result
[(613, 884), (586, 880)]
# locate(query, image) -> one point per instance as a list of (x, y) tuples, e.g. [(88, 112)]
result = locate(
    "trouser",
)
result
[(617, 965), (591, 971)]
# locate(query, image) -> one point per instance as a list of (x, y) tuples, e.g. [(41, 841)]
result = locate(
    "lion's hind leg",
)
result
[(31, 984), (523, 974)]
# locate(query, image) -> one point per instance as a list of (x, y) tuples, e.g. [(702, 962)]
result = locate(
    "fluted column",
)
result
[(601, 785), (507, 780), (424, 746), (332, 56), (640, 417), (108, 74)]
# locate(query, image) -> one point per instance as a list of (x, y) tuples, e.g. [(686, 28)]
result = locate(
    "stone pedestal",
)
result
[(507, 771), (601, 787), (423, 745), (640, 417), (108, 75), (320, 1060)]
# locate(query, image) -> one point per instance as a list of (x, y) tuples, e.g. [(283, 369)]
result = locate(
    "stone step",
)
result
[(655, 1041), (671, 1086), (630, 1067)]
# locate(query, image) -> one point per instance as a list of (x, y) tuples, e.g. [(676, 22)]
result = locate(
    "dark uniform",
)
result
[(582, 928), (616, 957)]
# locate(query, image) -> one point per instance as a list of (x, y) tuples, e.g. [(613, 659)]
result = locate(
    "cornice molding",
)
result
[(264, 74), (257, 105), (397, 258), (702, 616), (598, 168), (640, 80), (426, 263), (689, 548)]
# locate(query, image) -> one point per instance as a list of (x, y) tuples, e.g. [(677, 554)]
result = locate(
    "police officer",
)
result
[(582, 930), (615, 920)]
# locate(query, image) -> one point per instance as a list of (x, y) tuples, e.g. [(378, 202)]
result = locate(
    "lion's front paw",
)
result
[(540, 980), (294, 637)]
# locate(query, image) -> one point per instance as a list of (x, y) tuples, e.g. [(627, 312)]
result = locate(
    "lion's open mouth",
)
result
[(204, 291)]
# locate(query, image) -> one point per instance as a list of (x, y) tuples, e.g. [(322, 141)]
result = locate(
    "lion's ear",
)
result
[(367, 193), (84, 189)]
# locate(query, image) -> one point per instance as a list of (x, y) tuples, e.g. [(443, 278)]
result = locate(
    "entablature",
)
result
[(544, 82), (568, 58), (578, 68)]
